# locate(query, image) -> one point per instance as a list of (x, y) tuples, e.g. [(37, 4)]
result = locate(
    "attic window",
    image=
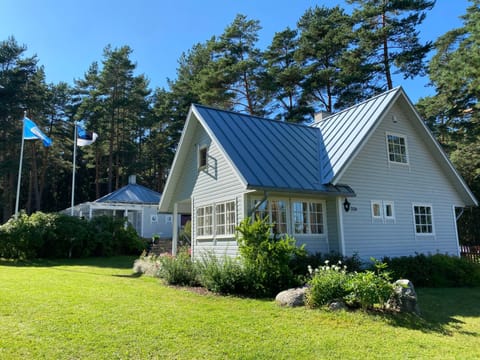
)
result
[(397, 148), (202, 157)]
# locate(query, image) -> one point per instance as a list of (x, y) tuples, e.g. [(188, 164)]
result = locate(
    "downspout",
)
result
[(257, 205)]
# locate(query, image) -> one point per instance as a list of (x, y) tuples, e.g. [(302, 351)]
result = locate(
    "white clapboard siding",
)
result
[(372, 177)]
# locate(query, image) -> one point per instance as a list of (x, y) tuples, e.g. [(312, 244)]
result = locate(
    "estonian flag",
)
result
[(84, 137), (32, 132)]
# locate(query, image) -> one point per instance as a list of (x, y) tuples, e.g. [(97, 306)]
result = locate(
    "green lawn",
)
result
[(95, 309)]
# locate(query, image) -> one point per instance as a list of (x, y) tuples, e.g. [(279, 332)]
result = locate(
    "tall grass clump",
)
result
[(224, 275)]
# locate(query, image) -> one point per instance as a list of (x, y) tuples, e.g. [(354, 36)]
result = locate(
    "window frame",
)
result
[(201, 226), (379, 203), (390, 203), (307, 224), (225, 216), (405, 145), (415, 225), (202, 157)]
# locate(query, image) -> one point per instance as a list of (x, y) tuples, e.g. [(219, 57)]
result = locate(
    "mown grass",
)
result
[(96, 309)]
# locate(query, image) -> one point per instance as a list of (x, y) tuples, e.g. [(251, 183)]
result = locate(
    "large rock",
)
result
[(404, 298), (291, 297)]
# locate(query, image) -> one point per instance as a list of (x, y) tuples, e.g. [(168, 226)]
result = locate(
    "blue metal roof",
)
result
[(269, 154), (344, 132), (132, 194)]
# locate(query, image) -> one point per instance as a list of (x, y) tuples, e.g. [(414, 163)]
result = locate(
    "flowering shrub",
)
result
[(327, 284), (178, 270)]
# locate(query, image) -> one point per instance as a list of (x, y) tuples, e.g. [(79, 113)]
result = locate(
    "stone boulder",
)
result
[(291, 297), (404, 298)]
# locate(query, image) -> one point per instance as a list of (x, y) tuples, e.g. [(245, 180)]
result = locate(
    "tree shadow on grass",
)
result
[(441, 310), (118, 262)]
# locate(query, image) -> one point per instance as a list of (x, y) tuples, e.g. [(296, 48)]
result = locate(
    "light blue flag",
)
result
[(32, 132)]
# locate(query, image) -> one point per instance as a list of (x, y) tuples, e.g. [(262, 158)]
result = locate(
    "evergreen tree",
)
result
[(325, 39), (387, 35), (284, 77), (454, 111)]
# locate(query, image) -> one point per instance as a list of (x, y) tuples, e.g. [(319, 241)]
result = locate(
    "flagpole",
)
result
[(19, 181), (74, 166)]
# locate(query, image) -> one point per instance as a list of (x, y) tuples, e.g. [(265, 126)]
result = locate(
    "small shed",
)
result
[(136, 203)]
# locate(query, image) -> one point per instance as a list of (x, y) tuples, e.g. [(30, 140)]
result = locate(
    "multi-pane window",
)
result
[(205, 221), (225, 218), (397, 149), (423, 219), (276, 211), (307, 217)]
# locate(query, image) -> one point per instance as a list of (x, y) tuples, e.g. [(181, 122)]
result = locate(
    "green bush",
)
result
[(437, 270), (368, 288), (56, 235), (222, 275), (179, 269), (328, 283), (267, 257)]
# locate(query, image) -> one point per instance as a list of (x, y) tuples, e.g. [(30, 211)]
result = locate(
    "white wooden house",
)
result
[(370, 180), (134, 202)]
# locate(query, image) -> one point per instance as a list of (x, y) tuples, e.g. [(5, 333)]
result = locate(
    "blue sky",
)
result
[(69, 35)]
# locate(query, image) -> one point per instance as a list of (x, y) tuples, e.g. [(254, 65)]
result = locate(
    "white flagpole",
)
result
[(19, 181), (74, 166)]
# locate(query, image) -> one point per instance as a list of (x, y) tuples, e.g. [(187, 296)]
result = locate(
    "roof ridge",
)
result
[(399, 87), (285, 123)]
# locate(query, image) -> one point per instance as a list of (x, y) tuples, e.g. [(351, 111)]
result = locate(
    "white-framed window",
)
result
[(168, 219), (153, 218), (225, 220), (388, 210), (205, 220), (276, 211), (423, 219), (308, 217), (397, 148), (383, 210), (377, 213), (202, 157)]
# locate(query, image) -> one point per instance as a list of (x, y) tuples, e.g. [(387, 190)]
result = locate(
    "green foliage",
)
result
[(222, 275), (267, 256), (56, 235), (369, 288), (328, 283), (301, 264), (437, 270), (179, 269)]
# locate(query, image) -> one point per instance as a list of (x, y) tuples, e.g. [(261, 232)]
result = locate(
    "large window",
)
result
[(276, 211), (225, 218), (307, 217), (397, 149), (205, 221), (423, 216)]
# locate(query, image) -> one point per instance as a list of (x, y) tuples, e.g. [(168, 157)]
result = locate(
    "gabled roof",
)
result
[(273, 155), (346, 131), (131, 194), (268, 154)]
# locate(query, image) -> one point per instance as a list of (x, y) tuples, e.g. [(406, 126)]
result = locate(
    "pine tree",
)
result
[(388, 35)]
